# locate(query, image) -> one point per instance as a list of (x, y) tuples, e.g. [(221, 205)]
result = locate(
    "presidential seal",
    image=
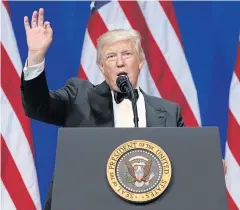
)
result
[(139, 171)]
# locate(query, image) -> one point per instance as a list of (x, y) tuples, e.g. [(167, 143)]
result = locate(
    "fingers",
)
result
[(48, 28), (26, 23), (34, 19), (37, 18), (46, 24), (40, 17)]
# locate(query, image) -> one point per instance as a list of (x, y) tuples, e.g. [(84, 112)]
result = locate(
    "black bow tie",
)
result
[(119, 96)]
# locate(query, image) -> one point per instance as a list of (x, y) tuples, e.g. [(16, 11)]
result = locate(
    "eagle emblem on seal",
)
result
[(139, 168)]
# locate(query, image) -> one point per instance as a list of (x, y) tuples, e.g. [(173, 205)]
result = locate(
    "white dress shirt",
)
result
[(123, 114)]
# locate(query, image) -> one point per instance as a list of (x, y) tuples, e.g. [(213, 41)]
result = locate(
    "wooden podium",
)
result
[(197, 180)]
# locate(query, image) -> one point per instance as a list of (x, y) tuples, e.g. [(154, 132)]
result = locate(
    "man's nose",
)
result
[(120, 62)]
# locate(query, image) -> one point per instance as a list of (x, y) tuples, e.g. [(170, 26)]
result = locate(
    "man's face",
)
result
[(120, 57)]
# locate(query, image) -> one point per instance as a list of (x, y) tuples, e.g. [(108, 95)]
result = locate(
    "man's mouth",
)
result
[(122, 74)]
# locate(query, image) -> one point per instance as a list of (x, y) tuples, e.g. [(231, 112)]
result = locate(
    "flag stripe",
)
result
[(234, 99), (90, 43), (20, 177), (231, 204), (163, 78), (234, 133), (5, 3), (147, 83), (6, 202), (90, 65), (11, 87), (8, 40), (232, 176), (169, 11), (81, 73), (170, 45), (237, 68), (13, 181), (96, 27), (19, 149), (232, 154), (114, 17)]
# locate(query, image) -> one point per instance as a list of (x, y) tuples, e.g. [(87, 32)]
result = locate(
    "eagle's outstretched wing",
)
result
[(130, 169), (147, 168)]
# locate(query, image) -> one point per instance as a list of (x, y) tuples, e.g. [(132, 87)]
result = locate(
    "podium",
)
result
[(197, 177)]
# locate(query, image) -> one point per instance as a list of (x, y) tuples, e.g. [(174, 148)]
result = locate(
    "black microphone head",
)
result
[(122, 82)]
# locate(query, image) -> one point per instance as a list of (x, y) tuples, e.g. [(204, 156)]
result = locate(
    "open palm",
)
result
[(39, 34)]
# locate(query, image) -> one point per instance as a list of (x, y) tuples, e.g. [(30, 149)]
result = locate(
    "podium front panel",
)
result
[(197, 181)]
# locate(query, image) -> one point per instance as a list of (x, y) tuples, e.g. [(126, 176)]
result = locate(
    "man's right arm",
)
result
[(31, 72), (38, 102), (41, 104)]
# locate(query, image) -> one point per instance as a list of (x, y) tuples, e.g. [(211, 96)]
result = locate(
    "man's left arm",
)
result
[(180, 122)]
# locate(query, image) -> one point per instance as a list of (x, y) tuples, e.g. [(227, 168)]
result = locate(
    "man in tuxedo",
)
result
[(81, 104)]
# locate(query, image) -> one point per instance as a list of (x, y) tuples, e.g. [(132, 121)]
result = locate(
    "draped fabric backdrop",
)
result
[(192, 57)]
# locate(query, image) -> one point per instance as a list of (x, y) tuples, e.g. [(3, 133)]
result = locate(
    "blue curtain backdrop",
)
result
[(210, 34)]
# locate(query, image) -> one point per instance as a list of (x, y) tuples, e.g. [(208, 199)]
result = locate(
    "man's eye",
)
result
[(110, 56), (127, 53)]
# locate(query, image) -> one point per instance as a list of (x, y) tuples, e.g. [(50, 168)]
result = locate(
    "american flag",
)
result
[(233, 141), (166, 74), (19, 184)]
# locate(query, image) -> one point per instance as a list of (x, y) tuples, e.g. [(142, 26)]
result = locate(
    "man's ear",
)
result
[(141, 64), (100, 65)]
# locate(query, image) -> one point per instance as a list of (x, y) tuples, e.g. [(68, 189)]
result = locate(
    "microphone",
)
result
[(122, 83), (125, 86)]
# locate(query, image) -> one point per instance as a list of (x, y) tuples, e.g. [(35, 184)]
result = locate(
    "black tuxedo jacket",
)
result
[(81, 104)]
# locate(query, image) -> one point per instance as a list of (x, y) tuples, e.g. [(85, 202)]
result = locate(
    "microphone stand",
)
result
[(134, 103)]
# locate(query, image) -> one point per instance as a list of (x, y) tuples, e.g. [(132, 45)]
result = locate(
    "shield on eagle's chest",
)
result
[(139, 172), (139, 164)]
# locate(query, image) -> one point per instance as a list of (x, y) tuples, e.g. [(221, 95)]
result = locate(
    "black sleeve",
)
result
[(47, 106), (180, 122)]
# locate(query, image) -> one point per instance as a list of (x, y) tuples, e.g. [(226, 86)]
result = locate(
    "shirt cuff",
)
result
[(31, 72)]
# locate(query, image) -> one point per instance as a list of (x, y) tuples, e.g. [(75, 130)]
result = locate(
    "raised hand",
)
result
[(39, 37)]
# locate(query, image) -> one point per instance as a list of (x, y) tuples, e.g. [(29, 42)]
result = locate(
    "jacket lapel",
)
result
[(156, 116), (100, 101)]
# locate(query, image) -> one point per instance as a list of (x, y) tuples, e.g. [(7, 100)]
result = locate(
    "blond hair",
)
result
[(120, 35)]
